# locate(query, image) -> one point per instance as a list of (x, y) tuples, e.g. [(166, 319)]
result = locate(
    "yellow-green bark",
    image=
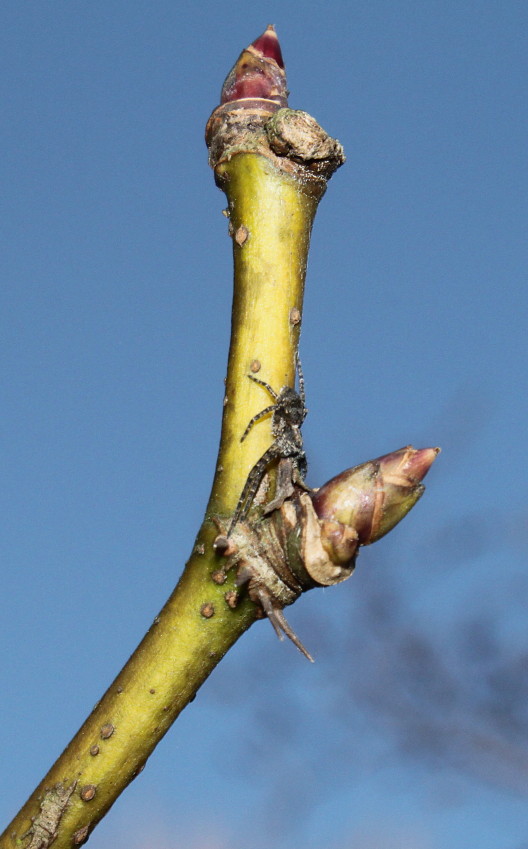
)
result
[(271, 216)]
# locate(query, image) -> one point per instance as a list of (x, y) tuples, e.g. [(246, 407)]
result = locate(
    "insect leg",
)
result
[(264, 384), (301, 379), (284, 485), (250, 488), (257, 418)]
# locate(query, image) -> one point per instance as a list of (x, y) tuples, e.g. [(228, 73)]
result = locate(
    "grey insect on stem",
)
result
[(289, 412)]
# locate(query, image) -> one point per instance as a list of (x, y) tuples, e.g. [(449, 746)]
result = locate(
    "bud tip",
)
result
[(258, 72), (419, 460), (268, 45)]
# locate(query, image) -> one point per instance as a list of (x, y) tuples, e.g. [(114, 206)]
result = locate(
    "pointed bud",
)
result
[(268, 45), (371, 498), (258, 72)]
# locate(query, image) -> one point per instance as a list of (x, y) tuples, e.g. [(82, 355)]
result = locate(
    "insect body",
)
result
[(289, 412)]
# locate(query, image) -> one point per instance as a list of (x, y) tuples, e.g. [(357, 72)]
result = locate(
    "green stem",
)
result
[(274, 218)]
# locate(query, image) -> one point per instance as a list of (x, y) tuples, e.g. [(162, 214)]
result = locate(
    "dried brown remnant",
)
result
[(87, 793), (233, 130), (280, 559), (45, 826), (152, 691), (199, 548), (81, 835), (341, 542), (207, 610), (270, 593), (107, 730), (295, 135), (231, 597), (289, 516), (316, 561), (255, 366), (94, 750)]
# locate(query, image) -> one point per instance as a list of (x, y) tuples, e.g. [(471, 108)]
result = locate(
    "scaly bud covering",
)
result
[(371, 498), (253, 118), (258, 72)]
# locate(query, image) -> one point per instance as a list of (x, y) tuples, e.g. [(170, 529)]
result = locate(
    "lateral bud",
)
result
[(370, 499), (312, 539)]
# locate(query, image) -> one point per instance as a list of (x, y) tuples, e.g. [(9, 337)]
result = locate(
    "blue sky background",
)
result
[(410, 729)]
